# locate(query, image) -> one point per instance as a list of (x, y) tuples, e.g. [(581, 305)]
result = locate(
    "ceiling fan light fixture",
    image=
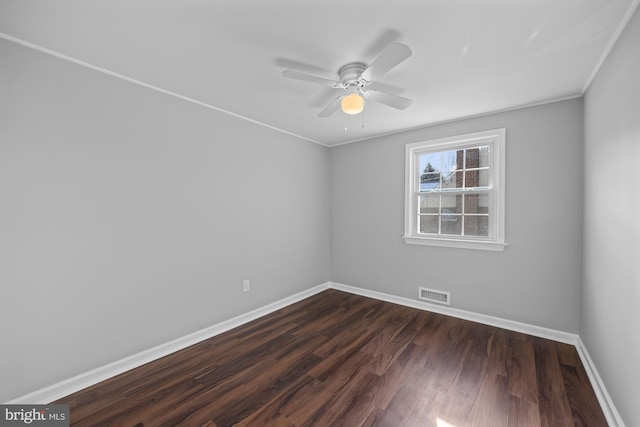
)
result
[(355, 77), (352, 104)]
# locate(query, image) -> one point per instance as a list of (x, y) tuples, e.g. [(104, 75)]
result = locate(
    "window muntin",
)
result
[(455, 191)]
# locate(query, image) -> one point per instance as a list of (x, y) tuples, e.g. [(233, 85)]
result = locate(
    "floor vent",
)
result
[(432, 295)]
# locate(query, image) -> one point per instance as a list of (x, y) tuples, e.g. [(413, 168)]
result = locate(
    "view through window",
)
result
[(455, 191)]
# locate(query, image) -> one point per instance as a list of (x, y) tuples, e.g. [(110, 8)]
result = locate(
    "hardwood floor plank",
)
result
[(232, 408), (582, 402), (491, 406), (352, 370), (349, 407), (398, 410), (474, 364), (337, 359), (523, 412), (433, 330), (447, 357), (452, 409), (402, 372), (521, 370), (552, 396), (282, 405)]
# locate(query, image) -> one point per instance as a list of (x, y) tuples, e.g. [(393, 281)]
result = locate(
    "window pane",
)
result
[(448, 161), (484, 156), (472, 158), (429, 224), (451, 203), (477, 178), (451, 224), (429, 204), (429, 181), (477, 157), (476, 203), (454, 180), (476, 225), (428, 162)]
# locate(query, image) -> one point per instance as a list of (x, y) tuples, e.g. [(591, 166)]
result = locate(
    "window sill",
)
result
[(455, 243)]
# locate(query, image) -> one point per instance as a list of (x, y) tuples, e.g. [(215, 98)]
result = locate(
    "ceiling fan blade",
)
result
[(393, 55), (331, 108), (389, 99), (299, 75)]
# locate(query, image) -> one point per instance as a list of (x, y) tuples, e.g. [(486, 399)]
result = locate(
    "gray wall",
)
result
[(535, 280), (129, 218), (611, 292)]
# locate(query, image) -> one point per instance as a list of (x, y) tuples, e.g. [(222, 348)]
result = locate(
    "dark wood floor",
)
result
[(338, 359)]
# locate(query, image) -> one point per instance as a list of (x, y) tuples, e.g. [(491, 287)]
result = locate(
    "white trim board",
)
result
[(606, 403), (511, 325), (79, 382), (73, 60), (84, 380), (612, 42)]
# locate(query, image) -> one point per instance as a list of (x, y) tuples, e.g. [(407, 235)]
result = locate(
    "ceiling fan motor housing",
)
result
[(350, 73)]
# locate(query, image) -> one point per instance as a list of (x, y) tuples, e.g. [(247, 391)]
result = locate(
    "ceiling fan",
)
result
[(354, 79)]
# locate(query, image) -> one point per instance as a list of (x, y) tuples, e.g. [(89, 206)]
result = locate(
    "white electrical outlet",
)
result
[(246, 285)]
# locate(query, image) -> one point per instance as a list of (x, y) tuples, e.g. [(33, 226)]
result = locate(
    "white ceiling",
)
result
[(469, 57)]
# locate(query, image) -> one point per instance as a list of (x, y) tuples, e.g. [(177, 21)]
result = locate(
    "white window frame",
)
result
[(495, 139)]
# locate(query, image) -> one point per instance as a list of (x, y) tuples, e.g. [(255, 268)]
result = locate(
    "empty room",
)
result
[(364, 213)]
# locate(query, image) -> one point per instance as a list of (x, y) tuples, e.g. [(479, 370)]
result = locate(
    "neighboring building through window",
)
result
[(455, 191)]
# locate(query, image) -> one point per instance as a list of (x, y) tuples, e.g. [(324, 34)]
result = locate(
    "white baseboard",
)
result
[(79, 382), (606, 403), (511, 325)]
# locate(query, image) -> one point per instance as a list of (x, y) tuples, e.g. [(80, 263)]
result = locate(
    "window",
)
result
[(455, 191)]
